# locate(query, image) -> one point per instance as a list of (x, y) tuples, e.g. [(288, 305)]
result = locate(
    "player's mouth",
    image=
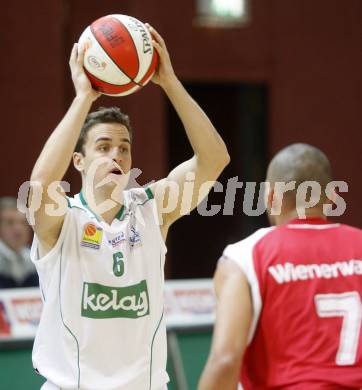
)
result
[(116, 171)]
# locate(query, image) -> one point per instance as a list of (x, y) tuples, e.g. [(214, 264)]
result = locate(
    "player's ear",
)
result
[(268, 195), (78, 161)]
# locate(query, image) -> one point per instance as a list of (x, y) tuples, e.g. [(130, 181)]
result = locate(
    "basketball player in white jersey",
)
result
[(101, 273)]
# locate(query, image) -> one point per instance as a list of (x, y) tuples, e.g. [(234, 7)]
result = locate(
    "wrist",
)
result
[(170, 82), (84, 97)]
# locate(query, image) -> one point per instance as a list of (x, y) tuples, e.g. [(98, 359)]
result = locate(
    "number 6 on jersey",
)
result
[(118, 264)]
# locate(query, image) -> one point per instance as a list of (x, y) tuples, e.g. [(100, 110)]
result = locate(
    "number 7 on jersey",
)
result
[(347, 305)]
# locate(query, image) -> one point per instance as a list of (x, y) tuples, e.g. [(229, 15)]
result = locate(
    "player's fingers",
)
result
[(156, 34), (81, 52), (73, 54), (158, 47)]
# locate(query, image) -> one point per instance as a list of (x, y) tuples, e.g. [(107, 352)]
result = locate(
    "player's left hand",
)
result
[(81, 82), (164, 73)]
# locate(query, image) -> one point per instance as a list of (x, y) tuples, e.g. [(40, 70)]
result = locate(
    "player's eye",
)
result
[(124, 149), (103, 148)]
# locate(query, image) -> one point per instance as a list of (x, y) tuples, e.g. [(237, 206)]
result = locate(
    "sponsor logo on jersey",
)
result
[(289, 272), (117, 240), (92, 236), (134, 237), (99, 301)]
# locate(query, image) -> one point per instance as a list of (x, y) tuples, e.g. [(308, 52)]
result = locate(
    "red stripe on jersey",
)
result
[(117, 42), (111, 89)]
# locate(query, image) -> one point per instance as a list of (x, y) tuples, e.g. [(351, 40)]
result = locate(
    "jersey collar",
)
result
[(119, 215), (316, 223), (309, 221)]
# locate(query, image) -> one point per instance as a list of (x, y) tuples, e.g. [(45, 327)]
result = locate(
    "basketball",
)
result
[(120, 58)]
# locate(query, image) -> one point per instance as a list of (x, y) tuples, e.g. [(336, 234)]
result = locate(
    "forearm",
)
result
[(219, 375), (57, 153), (231, 328), (206, 143)]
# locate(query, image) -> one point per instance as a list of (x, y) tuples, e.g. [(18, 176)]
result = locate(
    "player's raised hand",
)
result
[(164, 72), (81, 82)]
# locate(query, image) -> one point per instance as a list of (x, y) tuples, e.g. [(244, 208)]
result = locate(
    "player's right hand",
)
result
[(81, 82)]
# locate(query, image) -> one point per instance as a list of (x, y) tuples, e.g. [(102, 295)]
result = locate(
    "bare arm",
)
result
[(233, 318), (210, 153), (57, 152)]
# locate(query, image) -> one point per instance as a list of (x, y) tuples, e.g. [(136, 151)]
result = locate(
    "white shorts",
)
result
[(50, 386)]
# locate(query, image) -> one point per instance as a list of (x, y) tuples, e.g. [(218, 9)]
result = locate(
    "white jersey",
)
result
[(102, 325)]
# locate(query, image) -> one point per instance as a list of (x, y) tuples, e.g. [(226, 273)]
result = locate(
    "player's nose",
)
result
[(116, 155), (118, 161)]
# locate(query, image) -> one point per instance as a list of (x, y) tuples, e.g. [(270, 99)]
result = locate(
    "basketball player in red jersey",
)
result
[(289, 297)]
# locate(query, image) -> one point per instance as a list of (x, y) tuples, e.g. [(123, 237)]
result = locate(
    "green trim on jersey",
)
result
[(82, 199), (120, 213), (84, 203), (154, 335), (61, 315), (74, 205), (149, 193), (153, 339)]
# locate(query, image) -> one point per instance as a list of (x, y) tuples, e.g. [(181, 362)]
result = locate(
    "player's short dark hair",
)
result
[(300, 162), (102, 115)]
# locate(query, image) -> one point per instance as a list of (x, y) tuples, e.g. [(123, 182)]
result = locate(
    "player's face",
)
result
[(107, 153)]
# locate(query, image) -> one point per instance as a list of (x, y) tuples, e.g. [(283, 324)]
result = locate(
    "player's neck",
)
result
[(104, 202), (314, 212)]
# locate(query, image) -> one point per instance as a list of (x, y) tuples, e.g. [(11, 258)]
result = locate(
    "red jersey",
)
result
[(306, 286)]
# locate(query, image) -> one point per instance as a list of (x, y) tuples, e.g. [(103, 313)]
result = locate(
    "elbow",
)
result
[(37, 174), (223, 160), (35, 177), (215, 162), (224, 155), (40, 176), (216, 157), (227, 158), (36, 180), (38, 184)]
